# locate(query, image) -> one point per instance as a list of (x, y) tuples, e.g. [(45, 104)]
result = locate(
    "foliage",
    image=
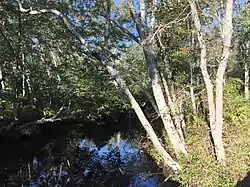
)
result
[(200, 167), (47, 72), (236, 107)]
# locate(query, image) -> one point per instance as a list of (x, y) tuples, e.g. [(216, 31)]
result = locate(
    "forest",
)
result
[(125, 93)]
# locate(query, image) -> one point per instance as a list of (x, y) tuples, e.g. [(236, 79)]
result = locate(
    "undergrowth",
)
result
[(199, 167)]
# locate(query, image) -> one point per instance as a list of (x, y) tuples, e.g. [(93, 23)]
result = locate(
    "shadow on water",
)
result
[(78, 159)]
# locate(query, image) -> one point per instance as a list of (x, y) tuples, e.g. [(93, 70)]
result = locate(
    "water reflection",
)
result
[(80, 162), (129, 161)]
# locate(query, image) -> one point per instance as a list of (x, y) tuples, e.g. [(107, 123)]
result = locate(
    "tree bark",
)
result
[(164, 110), (192, 90), (227, 30), (192, 77), (1, 81), (246, 72), (215, 111), (204, 71)]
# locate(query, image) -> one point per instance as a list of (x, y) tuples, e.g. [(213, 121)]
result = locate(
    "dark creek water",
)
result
[(78, 161)]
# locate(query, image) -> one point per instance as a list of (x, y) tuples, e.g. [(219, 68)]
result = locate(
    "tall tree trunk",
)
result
[(246, 72), (164, 110), (227, 30), (204, 71)]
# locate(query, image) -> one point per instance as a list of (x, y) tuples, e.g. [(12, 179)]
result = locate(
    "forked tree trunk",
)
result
[(215, 112), (204, 71)]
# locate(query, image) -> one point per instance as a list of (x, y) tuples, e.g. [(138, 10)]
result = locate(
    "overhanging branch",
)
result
[(57, 13)]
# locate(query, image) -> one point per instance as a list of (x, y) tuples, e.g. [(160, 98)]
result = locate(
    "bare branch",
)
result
[(57, 13), (127, 32), (169, 24), (136, 20)]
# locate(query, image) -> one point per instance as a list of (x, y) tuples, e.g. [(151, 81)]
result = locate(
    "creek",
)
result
[(76, 158)]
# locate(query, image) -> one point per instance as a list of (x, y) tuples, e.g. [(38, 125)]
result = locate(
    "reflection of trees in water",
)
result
[(68, 164)]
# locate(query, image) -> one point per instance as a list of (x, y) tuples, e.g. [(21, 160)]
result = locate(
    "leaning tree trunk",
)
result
[(164, 110), (148, 44), (145, 123)]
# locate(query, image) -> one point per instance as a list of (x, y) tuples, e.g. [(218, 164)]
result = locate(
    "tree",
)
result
[(215, 104), (148, 42)]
